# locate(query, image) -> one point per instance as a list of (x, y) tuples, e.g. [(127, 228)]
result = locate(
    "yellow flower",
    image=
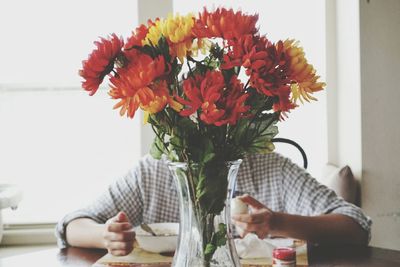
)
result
[(154, 34), (304, 81), (178, 31), (155, 99)]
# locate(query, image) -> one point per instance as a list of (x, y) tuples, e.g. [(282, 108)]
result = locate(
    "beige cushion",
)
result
[(342, 181)]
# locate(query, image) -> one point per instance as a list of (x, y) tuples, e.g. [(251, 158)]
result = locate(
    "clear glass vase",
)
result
[(206, 231)]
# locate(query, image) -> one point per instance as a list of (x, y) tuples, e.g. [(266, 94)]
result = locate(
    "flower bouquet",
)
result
[(212, 88)]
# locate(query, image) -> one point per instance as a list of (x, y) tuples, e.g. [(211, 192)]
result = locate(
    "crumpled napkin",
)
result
[(251, 247)]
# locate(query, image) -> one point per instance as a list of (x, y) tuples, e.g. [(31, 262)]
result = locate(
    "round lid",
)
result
[(284, 253)]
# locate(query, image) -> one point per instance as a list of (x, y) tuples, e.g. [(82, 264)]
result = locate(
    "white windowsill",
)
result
[(9, 251), (29, 235), (21, 239)]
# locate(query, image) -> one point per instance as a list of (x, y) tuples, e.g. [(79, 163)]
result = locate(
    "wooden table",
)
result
[(318, 256)]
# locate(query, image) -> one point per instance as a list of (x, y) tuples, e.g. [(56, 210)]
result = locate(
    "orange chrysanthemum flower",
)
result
[(225, 23), (303, 78), (137, 86), (100, 62), (217, 102), (152, 101)]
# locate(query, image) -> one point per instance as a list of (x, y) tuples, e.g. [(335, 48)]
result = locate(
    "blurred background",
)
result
[(62, 147)]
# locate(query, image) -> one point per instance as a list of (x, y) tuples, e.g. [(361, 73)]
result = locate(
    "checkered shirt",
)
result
[(148, 194)]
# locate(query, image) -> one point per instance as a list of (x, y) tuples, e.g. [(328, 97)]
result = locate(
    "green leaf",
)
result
[(208, 157), (173, 156), (240, 129), (200, 147), (157, 148), (254, 135), (208, 152), (262, 141), (159, 121), (201, 184), (186, 125), (218, 239), (220, 236), (229, 73), (176, 68), (209, 251), (261, 147), (176, 142), (216, 51), (164, 48), (212, 186)]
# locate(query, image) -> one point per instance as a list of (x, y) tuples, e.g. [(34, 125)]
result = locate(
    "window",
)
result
[(59, 145), (303, 21), (63, 147)]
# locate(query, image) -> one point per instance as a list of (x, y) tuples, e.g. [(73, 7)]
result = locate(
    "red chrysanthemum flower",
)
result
[(139, 35), (137, 85), (225, 23), (193, 95), (268, 71), (100, 62), (233, 101), (266, 65), (217, 102), (245, 50), (283, 102)]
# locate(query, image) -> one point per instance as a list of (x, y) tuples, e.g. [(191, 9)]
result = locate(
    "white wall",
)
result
[(343, 84), (380, 95), (363, 59)]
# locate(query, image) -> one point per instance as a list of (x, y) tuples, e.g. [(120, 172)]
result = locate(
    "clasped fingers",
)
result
[(124, 236), (119, 238), (118, 227), (258, 223)]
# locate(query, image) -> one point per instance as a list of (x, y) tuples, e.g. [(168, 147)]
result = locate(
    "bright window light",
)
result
[(44, 41), (59, 145)]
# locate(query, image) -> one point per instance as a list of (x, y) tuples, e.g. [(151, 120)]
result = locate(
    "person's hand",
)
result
[(119, 235), (259, 221)]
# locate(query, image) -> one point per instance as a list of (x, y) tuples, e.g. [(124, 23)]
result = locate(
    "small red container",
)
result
[(284, 257)]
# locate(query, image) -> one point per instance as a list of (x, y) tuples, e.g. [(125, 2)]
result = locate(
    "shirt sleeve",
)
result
[(304, 195), (122, 195)]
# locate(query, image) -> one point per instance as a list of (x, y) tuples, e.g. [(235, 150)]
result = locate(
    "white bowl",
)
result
[(165, 241)]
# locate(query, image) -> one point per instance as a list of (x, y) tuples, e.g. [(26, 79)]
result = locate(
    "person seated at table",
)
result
[(284, 199)]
